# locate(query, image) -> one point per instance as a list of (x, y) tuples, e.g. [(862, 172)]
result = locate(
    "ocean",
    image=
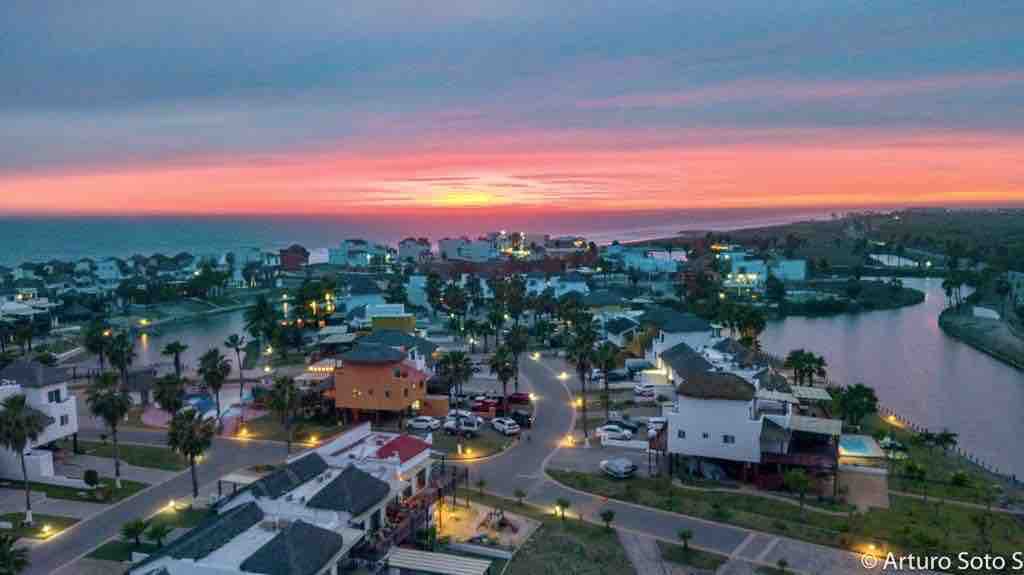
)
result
[(41, 238)]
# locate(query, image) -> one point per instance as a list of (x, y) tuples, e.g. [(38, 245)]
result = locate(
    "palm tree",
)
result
[(484, 329), (501, 366), (169, 393), (458, 368), (284, 400), (214, 369), (109, 403), (175, 349), (604, 359), (496, 317), (237, 342), (190, 435), (158, 532), (472, 329), (121, 354), (562, 504), (581, 354), (260, 319), (20, 426), (685, 535), (518, 339), (133, 530), (96, 340), (13, 559)]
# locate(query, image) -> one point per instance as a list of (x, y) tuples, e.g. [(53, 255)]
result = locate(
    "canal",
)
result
[(919, 371)]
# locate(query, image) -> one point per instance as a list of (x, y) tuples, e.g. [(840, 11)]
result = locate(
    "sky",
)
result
[(434, 108)]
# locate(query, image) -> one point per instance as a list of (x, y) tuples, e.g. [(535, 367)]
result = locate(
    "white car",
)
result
[(424, 423), (505, 425), (467, 426), (614, 432), (643, 389)]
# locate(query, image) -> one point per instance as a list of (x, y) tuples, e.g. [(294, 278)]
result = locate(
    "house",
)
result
[(620, 330), (45, 389), (363, 291), (357, 253), (416, 290), (140, 385), (108, 273), (640, 259), (464, 249), (1015, 280), (752, 273), (421, 350), (670, 328), (565, 246), (378, 378), (294, 258), (414, 250)]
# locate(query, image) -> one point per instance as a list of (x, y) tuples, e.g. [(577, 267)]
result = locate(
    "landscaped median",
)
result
[(909, 525), (43, 526), (560, 545), (105, 492), (485, 443)]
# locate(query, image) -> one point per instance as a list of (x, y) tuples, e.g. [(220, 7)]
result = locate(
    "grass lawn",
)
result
[(118, 550), (269, 427), (939, 468), (690, 557), (56, 524), (910, 525), (487, 442), (138, 455), (128, 488), (569, 546)]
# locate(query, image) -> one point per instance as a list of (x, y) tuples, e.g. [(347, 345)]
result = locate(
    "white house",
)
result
[(464, 249), (416, 290), (673, 328), (108, 273), (45, 389), (363, 291)]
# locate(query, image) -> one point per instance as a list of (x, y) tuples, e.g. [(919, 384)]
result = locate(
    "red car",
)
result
[(485, 405), (519, 398)]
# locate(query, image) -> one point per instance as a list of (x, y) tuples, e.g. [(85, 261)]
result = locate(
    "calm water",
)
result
[(70, 238), (920, 372)]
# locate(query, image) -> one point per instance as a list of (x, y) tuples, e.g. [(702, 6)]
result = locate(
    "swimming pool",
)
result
[(859, 446)]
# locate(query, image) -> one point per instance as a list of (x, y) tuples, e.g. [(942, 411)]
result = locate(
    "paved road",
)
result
[(226, 456), (523, 467)]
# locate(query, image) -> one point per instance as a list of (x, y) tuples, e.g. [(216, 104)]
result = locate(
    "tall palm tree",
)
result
[(110, 403), (20, 426), (284, 400), (121, 354), (604, 359), (214, 368), (581, 354), (518, 339), (260, 319), (191, 436), (96, 341), (472, 329), (237, 342), (496, 317), (485, 329), (13, 560), (169, 393), (458, 368), (175, 349), (501, 366)]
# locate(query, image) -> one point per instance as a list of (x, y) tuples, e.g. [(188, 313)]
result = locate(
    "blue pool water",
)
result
[(857, 445)]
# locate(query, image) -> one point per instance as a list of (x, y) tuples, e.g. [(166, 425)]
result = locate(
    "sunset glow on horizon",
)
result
[(347, 110)]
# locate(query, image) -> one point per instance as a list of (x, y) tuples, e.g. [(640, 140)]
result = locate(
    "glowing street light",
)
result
[(563, 376)]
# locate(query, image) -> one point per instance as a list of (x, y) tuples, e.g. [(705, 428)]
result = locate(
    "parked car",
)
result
[(619, 468), (424, 423), (523, 418), (619, 375), (656, 422), (466, 426), (505, 425), (614, 432), (519, 398), (628, 425), (644, 389)]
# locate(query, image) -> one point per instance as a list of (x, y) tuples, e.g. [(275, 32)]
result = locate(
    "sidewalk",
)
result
[(75, 466)]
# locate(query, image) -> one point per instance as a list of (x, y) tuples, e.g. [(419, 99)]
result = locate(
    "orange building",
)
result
[(376, 377)]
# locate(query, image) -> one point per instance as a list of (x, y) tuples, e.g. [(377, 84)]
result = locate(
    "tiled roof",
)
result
[(299, 549), (673, 321), (291, 476), (405, 446), (210, 535), (717, 385), (373, 353), (685, 361), (397, 338), (353, 490), (33, 374), (619, 325)]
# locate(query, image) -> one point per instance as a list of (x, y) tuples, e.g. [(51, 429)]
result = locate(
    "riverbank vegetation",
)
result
[(992, 336)]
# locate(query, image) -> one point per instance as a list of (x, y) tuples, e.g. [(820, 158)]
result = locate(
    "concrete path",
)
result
[(643, 553)]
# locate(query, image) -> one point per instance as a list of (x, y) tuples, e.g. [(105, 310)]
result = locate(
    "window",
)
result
[(729, 439), (397, 372), (355, 392), (681, 434), (53, 396), (64, 419), (387, 393), (405, 392), (704, 435), (370, 392)]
